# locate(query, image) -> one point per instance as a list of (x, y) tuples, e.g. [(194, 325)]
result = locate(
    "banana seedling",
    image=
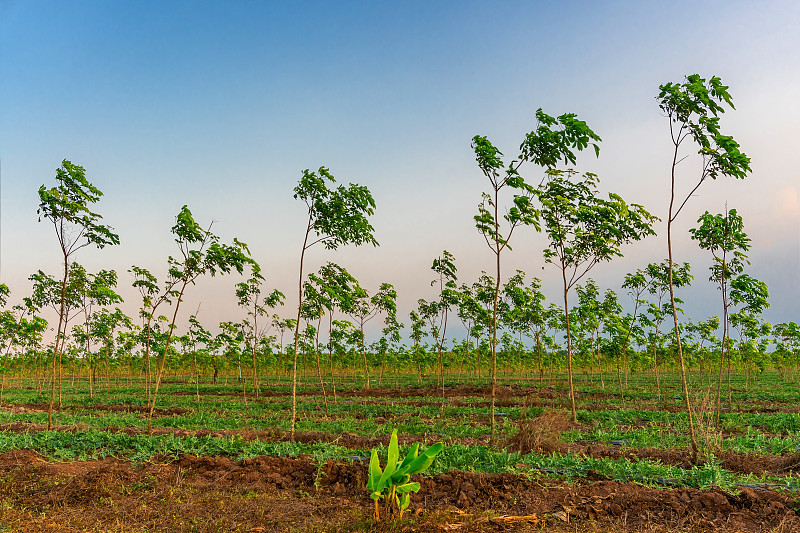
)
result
[(394, 482)]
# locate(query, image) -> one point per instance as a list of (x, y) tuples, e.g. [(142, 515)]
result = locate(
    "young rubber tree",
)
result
[(334, 288), (102, 327), (417, 334), (65, 300), (314, 309), (472, 316), (390, 338), (589, 313), (364, 308), (199, 335), (636, 283), (751, 329), (445, 281), (200, 253), (153, 297), (752, 297), (67, 206), (610, 310), (724, 237), (528, 313), (554, 139), (336, 217), (14, 327), (693, 108), (787, 349), (98, 290), (248, 294), (584, 230), (658, 285)]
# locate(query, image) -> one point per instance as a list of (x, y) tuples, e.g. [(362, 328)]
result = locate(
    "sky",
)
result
[(221, 105)]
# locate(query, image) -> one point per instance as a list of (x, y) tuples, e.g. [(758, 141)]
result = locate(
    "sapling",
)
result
[(197, 333), (787, 348), (67, 207), (390, 336), (445, 268), (335, 217), (693, 108), (249, 295), (636, 283), (333, 288), (66, 300), (752, 297), (752, 329), (553, 140), (97, 290), (417, 333), (584, 230), (527, 312), (724, 237), (102, 326), (16, 328), (201, 253), (153, 297), (362, 308)]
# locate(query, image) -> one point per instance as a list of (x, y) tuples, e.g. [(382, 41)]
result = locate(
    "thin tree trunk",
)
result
[(569, 347), (297, 331), (494, 311), (319, 368), (684, 383), (163, 360), (57, 342)]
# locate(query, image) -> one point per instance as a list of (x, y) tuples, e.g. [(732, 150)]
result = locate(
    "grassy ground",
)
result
[(636, 436)]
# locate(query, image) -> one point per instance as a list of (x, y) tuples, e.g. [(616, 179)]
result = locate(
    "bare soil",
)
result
[(284, 494)]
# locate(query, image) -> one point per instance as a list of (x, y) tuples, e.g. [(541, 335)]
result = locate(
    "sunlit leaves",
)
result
[(693, 108), (583, 228), (336, 216), (557, 139), (66, 206)]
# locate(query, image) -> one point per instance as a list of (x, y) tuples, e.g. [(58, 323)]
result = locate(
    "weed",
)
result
[(708, 433), (540, 434)]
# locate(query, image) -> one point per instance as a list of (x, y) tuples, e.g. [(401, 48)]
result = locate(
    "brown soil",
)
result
[(514, 395), (540, 436), (460, 391), (284, 494), (122, 408)]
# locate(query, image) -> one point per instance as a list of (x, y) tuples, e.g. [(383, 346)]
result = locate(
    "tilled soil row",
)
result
[(30, 481), (514, 395), (741, 463)]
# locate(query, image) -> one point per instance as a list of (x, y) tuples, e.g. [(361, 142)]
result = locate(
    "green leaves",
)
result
[(583, 228), (749, 292), (202, 252), (394, 481), (556, 138), (337, 216), (693, 108), (721, 233), (67, 204)]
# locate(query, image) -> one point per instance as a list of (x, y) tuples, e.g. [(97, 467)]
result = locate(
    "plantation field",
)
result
[(228, 463)]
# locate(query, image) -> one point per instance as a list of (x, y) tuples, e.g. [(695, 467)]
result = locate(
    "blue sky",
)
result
[(221, 105)]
